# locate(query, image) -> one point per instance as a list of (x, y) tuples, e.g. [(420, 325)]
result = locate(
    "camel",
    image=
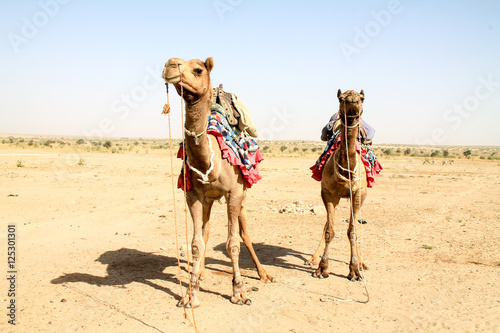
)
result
[(345, 163), (216, 178)]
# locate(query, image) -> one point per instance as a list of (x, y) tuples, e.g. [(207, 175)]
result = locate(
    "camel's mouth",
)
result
[(173, 79)]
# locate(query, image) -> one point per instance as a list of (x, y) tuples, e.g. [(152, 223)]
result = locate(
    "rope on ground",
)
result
[(109, 305)]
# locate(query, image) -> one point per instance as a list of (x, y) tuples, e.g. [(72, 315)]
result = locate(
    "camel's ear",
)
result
[(362, 93), (339, 93), (209, 64)]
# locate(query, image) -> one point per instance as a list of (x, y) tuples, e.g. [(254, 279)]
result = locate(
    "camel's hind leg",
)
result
[(207, 208), (242, 218), (314, 260), (356, 262), (331, 201)]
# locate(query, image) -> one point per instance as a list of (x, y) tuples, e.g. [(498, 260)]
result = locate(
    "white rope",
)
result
[(204, 176)]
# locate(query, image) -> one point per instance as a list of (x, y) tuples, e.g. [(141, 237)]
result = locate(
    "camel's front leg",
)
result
[(233, 248), (264, 277), (197, 250), (356, 262), (331, 201)]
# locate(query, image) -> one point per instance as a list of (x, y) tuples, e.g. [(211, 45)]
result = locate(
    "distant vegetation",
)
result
[(309, 149)]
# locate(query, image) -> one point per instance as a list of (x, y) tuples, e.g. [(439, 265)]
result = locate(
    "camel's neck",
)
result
[(197, 148), (349, 135)]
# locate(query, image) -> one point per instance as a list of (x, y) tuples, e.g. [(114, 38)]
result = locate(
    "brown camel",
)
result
[(345, 163), (216, 177)]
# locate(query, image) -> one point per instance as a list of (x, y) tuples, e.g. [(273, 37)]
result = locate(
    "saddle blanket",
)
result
[(372, 165), (238, 149)]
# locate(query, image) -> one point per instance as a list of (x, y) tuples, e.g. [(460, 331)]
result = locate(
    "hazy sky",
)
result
[(430, 69)]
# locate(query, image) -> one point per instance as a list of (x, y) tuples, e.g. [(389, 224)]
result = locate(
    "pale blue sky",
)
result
[(429, 69)]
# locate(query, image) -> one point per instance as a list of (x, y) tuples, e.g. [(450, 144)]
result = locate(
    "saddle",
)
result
[(335, 124), (236, 113)]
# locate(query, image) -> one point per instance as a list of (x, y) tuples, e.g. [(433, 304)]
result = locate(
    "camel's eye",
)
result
[(198, 71)]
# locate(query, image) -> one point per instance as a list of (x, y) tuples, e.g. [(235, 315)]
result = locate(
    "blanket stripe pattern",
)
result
[(372, 165), (238, 149)]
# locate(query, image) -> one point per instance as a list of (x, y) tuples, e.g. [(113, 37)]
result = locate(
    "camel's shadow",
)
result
[(128, 265), (269, 255)]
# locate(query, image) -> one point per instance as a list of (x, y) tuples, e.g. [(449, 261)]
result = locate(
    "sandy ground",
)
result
[(97, 249)]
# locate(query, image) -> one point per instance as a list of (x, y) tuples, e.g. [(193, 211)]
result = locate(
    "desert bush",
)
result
[(107, 144), (467, 153), (20, 164), (283, 148), (446, 152), (435, 153), (305, 149), (114, 150), (80, 142), (295, 149), (388, 151), (407, 151)]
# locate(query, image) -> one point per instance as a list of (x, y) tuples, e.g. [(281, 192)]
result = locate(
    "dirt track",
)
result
[(97, 253)]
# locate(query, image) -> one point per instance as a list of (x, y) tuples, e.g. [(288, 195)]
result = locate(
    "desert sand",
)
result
[(96, 247)]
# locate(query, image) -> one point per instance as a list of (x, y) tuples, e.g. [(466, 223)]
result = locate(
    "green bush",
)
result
[(107, 144)]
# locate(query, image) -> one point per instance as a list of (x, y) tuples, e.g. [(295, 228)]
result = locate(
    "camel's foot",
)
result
[(189, 302), (240, 300), (313, 261), (203, 274), (239, 297), (354, 274), (264, 277), (322, 271)]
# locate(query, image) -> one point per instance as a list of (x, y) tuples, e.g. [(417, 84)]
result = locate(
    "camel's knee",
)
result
[(233, 247), (197, 248), (351, 234), (329, 234)]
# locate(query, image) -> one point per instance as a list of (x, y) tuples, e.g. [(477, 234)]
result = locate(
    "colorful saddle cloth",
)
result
[(236, 146), (372, 165)]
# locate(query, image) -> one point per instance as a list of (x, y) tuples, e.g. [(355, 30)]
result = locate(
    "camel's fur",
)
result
[(225, 180), (335, 184)]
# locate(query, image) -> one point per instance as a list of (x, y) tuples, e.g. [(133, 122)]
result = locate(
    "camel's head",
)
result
[(351, 103), (192, 75)]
